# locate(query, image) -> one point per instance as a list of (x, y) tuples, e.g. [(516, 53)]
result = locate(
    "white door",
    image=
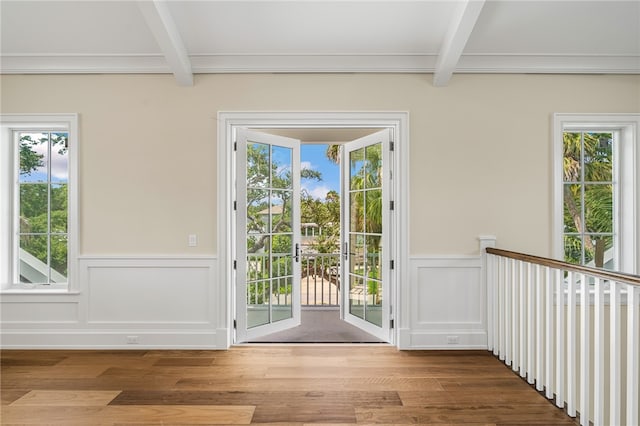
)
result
[(267, 234), (366, 242)]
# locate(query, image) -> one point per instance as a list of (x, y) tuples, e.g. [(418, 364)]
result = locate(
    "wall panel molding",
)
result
[(447, 304), (123, 302)]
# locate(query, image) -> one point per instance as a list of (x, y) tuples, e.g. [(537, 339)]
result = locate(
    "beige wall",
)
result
[(480, 149)]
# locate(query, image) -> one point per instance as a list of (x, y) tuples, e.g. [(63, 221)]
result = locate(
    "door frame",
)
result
[(227, 123)]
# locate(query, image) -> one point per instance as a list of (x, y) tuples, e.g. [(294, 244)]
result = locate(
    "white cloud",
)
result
[(317, 192), (306, 165)]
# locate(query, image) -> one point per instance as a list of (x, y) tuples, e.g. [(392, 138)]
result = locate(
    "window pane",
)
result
[(600, 251), (34, 204), (598, 205), (572, 156), (59, 209), (59, 157), (59, 259), (598, 150), (33, 259), (573, 249), (34, 153), (573, 208)]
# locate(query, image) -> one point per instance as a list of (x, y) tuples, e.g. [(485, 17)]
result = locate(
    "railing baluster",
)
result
[(598, 355), (560, 339), (571, 345), (585, 403), (530, 325), (614, 353), (515, 317), (501, 306), (539, 330), (522, 290), (633, 357), (508, 299), (549, 327)]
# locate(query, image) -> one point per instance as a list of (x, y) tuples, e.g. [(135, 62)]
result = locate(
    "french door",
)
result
[(366, 239), (267, 234)]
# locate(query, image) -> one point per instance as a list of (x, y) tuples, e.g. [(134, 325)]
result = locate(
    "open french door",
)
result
[(366, 239), (267, 234)]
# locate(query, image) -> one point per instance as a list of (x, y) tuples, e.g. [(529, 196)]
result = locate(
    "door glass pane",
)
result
[(281, 297), (356, 167), (356, 211), (258, 165), (356, 296), (281, 219), (281, 168), (373, 211), (373, 169), (258, 293), (257, 210), (356, 254)]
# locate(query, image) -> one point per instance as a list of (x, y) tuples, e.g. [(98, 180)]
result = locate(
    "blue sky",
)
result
[(313, 157)]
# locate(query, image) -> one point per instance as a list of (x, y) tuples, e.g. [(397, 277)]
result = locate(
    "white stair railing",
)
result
[(560, 327)]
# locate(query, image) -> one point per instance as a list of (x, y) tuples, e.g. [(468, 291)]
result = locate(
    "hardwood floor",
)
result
[(293, 385)]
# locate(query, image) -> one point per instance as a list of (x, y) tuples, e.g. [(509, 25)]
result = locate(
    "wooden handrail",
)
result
[(552, 263)]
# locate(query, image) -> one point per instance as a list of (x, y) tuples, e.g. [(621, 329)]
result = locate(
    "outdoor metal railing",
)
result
[(547, 319), (320, 285), (319, 280)]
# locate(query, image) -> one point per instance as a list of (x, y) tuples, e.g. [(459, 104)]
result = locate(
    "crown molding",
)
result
[(410, 63)]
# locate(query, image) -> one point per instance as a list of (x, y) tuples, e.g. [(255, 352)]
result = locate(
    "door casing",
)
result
[(228, 122)]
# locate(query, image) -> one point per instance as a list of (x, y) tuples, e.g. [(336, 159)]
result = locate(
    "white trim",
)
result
[(381, 63), (628, 156), (228, 121), (69, 122)]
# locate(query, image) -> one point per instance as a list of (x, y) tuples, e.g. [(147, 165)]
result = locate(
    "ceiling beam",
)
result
[(166, 33), (460, 28)]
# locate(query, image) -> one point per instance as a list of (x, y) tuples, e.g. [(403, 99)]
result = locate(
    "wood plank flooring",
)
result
[(293, 385)]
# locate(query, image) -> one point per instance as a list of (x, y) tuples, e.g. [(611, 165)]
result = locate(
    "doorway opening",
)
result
[(338, 272), (321, 257)]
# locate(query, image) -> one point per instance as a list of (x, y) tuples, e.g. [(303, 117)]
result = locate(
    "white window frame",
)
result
[(9, 125), (625, 176)]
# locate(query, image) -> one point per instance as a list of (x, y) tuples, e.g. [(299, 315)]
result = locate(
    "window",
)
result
[(38, 163), (596, 190)]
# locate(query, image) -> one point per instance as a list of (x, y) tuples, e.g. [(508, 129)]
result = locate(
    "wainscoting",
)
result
[(447, 304), (179, 303), (122, 303)]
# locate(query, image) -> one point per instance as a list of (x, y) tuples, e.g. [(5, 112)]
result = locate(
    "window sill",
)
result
[(37, 291)]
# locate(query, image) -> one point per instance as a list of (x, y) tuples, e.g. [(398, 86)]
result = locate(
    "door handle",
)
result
[(346, 251), (297, 255)]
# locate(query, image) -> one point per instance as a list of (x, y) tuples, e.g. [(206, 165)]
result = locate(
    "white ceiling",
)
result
[(440, 37)]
